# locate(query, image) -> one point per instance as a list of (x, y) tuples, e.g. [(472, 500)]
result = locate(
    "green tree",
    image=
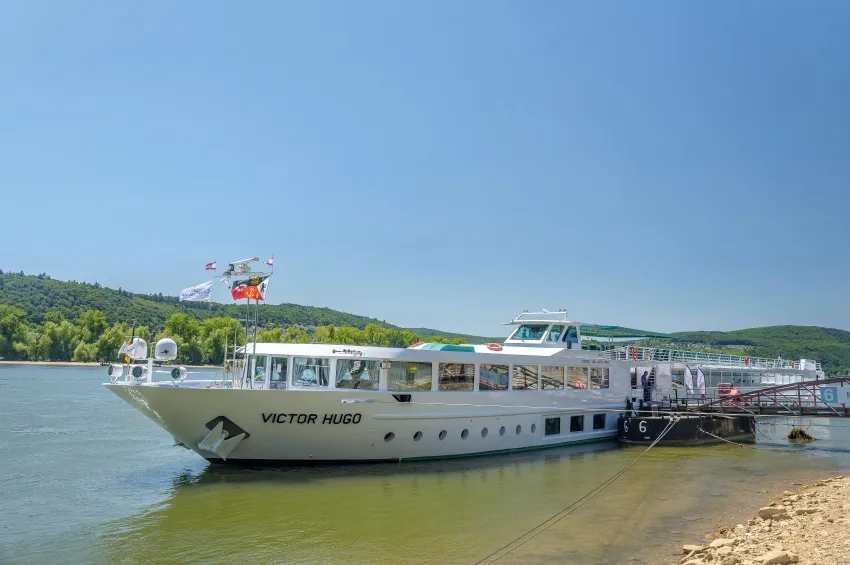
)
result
[(270, 336), (35, 345), (294, 334), (12, 329), (85, 352), (64, 337), (93, 323), (109, 342)]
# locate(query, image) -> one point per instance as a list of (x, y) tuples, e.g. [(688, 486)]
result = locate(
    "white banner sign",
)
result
[(197, 293)]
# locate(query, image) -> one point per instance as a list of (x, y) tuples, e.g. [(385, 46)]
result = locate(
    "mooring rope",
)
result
[(549, 522)]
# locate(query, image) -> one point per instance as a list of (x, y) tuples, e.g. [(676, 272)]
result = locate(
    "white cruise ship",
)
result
[(550, 383)]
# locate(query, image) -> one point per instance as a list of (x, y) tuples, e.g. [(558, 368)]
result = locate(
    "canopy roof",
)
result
[(619, 332)]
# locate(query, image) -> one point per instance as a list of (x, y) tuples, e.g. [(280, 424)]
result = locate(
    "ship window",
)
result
[(555, 333), (599, 377), (525, 377), (552, 427), (409, 376), (456, 376), (552, 377), (311, 371), (277, 377), (530, 331), (571, 336), (599, 421), (577, 423), (577, 377), (259, 365), (493, 377), (357, 373)]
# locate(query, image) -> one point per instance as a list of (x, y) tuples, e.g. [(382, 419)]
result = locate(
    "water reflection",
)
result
[(440, 512)]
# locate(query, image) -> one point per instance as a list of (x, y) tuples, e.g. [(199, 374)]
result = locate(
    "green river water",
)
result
[(84, 478)]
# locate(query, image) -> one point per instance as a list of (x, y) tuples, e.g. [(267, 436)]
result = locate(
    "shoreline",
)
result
[(90, 364), (809, 526)]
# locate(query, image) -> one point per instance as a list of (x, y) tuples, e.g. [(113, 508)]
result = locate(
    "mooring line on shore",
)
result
[(560, 515)]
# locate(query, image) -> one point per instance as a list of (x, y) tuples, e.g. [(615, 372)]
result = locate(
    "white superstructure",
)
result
[(314, 403)]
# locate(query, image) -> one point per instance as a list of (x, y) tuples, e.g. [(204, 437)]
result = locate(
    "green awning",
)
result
[(448, 347), (621, 332)]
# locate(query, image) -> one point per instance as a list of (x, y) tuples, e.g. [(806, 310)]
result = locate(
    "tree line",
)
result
[(91, 338), (41, 296)]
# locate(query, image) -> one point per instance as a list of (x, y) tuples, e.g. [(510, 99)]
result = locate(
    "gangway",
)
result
[(826, 397)]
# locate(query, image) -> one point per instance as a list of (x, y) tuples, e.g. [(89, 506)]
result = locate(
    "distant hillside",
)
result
[(829, 346), (38, 295)]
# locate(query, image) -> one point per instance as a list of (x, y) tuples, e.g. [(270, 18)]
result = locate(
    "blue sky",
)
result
[(666, 165)]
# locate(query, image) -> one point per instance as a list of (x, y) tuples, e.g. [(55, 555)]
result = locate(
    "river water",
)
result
[(84, 478)]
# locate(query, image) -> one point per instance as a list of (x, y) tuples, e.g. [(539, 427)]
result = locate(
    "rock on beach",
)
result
[(810, 526)]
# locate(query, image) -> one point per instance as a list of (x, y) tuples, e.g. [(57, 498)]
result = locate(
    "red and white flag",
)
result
[(211, 266), (269, 261)]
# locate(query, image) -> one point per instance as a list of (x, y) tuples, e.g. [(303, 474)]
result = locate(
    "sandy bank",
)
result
[(810, 526)]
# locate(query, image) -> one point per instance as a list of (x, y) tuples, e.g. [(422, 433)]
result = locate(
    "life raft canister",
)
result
[(494, 346)]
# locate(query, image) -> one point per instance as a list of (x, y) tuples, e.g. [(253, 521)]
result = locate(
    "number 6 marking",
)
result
[(642, 427)]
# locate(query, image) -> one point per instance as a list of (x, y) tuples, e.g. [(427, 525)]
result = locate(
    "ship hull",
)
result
[(343, 426)]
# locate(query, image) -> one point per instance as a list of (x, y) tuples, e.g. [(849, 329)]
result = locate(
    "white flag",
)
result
[(700, 381), (263, 287), (689, 380), (128, 349), (197, 293)]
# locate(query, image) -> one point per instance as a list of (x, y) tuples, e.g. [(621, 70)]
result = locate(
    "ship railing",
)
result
[(655, 354), (806, 395)]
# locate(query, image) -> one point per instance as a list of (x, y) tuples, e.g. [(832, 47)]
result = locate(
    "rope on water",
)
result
[(549, 522)]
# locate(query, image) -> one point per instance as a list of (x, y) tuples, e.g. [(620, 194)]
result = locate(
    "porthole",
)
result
[(464, 434), (533, 428), (443, 435), (502, 431), (389, 437), (518, 430), (417, 436), (484, 432)]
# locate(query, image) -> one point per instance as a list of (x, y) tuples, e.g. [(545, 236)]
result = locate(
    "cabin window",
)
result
[(552, 377), (456, 376), (277, 376), (576, 377), (577, 423), (552, 426), (530, 331), (572, 335), (311, 371), (599, 421), (409, 376), (259, 364), (555, 333), (358, 373), (493, 377), (599, 377), (525, 377)]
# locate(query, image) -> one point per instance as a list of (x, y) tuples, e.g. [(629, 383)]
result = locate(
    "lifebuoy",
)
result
[(746, 361), (494, 347), (634, 353)]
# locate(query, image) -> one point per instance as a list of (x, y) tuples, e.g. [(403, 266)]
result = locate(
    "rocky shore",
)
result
[(809, 527)]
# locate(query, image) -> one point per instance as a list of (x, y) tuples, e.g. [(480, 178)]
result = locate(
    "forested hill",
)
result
[(38, 295), (829, 346)]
